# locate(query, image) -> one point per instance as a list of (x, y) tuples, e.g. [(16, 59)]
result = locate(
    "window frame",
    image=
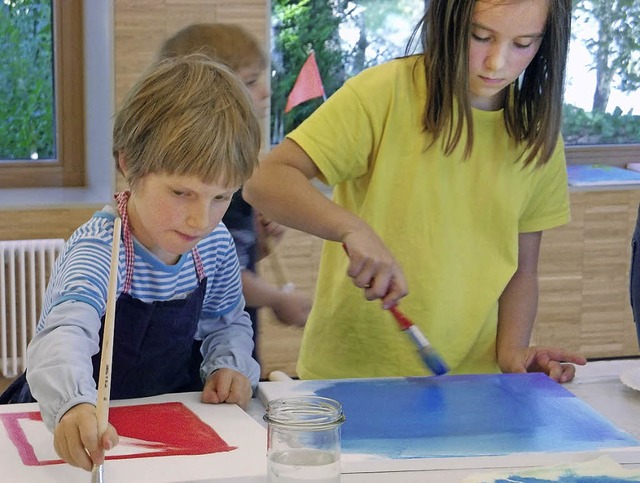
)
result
[(609, 154), (68, 167)]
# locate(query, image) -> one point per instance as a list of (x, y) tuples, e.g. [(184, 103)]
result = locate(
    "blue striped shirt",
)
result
[(60, 370), (81, 272)]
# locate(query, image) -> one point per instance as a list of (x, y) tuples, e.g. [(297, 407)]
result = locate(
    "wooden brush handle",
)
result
[(282, 279), (104, 382)]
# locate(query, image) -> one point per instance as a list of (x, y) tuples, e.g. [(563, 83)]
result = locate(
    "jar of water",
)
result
[(303, 439)]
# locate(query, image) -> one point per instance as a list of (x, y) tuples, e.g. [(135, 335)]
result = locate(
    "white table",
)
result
[(598, 384)]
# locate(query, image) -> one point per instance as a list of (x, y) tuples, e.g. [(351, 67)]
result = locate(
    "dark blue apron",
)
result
[(154, 351)]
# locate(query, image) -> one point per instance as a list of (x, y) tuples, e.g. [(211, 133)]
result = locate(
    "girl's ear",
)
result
[(122, 163)]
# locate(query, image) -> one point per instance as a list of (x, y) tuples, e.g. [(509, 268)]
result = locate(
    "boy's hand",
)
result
[(228, 386), (556, 363), (76, 439)]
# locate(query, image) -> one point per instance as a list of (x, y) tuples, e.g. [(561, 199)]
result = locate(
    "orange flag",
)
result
[(308, 85)]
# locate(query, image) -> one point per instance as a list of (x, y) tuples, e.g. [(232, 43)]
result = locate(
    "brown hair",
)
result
[(533, 103), (188, 116), (228, 43)]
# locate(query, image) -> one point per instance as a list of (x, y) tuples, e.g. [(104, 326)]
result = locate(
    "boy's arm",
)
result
[(59, 373), (227, 342)]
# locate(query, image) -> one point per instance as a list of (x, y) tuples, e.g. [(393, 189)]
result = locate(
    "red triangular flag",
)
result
[(308, 85)]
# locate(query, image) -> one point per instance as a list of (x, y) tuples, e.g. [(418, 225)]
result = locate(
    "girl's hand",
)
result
[(76, 439), (373, 268), (227, 386), (558, 364)]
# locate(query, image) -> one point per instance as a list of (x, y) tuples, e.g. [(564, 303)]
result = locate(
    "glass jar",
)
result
[(303, 439)]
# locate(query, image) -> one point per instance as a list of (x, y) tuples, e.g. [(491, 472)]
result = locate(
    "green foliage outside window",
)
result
[(582, 127), (26, 80), (301, 25)]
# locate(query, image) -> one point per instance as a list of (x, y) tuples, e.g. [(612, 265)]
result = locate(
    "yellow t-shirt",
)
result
[(452, 224)]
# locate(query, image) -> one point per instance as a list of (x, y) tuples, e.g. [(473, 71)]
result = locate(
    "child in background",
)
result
[(235, 47), (185, 139), (447, 167), (634, 276)]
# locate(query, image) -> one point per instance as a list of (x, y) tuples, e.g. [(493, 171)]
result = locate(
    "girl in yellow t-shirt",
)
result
[(446, 167)]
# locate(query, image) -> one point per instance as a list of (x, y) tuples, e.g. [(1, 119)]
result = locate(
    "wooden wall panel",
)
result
[(584, 277), (44, 223), (142, 25)]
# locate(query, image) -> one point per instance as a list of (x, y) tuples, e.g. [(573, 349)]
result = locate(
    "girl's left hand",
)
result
[(558, 364), (227, 386)]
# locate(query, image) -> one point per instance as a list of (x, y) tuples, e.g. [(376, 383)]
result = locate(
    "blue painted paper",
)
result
[(466, 415)]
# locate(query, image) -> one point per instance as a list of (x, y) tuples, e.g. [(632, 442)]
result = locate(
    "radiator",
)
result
[(26, 267)]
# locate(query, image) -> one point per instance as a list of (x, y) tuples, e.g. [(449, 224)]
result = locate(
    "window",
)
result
[(48, 59), (602, 105), (93, 64), (346, 36)]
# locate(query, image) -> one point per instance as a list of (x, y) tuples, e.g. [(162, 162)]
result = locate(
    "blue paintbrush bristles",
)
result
[(433, 361), (430, 357)]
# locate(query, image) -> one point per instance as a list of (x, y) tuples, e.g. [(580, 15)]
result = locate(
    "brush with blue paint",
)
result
[(428, 354)]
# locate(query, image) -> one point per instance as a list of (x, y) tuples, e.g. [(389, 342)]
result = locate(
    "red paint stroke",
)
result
[(169, 429), (11, 423)]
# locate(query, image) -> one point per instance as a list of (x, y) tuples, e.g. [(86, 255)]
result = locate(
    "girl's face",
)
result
[(254, 80), (505, 36), (169, 214)]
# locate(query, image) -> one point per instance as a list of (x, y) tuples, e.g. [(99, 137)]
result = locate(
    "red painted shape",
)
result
[(169, 429)]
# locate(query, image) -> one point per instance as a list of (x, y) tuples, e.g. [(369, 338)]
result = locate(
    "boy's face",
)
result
[(254, 80), (169, 214)]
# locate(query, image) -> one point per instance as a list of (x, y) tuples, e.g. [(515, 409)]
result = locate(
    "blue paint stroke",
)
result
[(465, 415), (565, 478)]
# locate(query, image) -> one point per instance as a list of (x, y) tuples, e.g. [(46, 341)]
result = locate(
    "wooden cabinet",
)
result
[(584, 277)]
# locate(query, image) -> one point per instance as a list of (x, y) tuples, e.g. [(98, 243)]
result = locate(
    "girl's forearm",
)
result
[(517, 312), (281, 189)]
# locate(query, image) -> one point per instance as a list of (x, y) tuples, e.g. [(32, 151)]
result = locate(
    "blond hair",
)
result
[(188, 116), (228, 43)]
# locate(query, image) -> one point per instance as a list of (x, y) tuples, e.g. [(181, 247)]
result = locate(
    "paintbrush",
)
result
[(429, 355), (106, 355), (282, 279)]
